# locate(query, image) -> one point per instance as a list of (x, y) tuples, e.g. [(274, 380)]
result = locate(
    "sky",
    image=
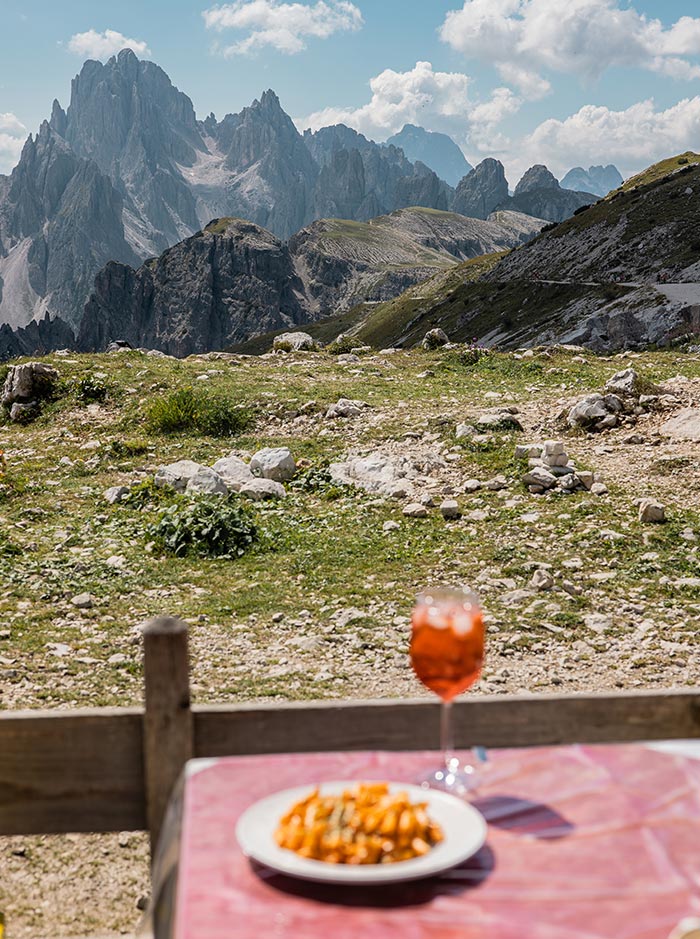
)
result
[(559, 82)]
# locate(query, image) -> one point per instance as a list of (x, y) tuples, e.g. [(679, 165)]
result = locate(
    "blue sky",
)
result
[(554, 81)]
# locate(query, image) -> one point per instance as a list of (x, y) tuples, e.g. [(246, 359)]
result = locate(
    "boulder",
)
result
[(258, 489), (293, 342), (345, 407), (233, 471), (274, 463), (588, 412), (177, 475), (435, 338), (684, 426), (449, 509), (116, 494), (629, 384), (21, 412), (651, 511), (206, 480), (32, 381), (119, 345)]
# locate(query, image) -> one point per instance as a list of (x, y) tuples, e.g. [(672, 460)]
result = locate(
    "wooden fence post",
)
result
[(168, 727)]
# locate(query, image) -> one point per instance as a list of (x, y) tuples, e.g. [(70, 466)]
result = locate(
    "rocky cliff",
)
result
[(539, 193)]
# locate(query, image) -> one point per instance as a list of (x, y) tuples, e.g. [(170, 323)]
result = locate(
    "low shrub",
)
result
[(127, 448), (206, 526), (317, 479), (343, 345), (8, 548), (188, 411), (91, 390)]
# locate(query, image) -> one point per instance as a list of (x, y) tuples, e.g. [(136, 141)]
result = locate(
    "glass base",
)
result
[(453, 778)]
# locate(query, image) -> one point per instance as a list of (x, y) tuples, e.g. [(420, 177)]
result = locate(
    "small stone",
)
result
[(651, 511), (528, 451), (553, 448), (497, 483), (117, 659), (206, 481), (571, 588), (142, 902), (465, 430), (539, 476), (415, 510), (542, 580), (633, 439), (82, 601), (345, 407), (427, 500), (599, 489), (390, 526), (586, 478), (472, 485), (449, 509), (277, 617)]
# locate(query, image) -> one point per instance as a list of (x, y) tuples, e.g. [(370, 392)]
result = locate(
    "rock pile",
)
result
[(626, 397), (345, 407), (262, 478), (552, 468), (26, 386)]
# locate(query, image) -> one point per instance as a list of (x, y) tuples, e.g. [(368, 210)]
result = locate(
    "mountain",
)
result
[(599, 180), (234, 279), (482, 190), (622, 273), (437, 151), (539, 192), (60, 221), (127, 170)]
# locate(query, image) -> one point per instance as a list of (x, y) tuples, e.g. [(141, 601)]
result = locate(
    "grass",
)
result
[(323, 547)]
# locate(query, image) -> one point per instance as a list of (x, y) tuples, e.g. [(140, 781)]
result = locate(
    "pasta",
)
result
[(367, 825)]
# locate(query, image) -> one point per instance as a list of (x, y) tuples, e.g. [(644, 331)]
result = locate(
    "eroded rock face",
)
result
[(208, 292), (481, 191), (683, 426)]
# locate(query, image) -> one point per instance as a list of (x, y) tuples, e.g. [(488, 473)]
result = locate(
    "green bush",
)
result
[(8, 549), (206, 526), (90, 389), (127, 448), (317, 479), (343, 345), (188, 411)]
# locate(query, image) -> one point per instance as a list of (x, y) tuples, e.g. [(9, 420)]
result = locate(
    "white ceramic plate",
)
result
[(463, 826)]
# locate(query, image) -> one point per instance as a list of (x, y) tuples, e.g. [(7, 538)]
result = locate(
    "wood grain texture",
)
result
[(494, 721), (71, 771), (167, 726)]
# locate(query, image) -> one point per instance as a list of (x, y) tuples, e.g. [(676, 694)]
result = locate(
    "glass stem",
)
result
[(446, 744)]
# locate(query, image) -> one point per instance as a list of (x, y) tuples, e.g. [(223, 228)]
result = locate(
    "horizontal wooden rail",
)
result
[(84, 770), (71, 771)]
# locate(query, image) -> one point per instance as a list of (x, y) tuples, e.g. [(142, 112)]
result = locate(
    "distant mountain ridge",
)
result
[(127, 170), (439, 152), (600, 180)]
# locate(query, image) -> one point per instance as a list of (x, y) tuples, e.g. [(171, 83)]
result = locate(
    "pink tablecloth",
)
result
[(584, 843)]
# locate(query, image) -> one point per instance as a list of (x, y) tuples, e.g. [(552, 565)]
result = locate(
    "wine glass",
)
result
[(447, 654)]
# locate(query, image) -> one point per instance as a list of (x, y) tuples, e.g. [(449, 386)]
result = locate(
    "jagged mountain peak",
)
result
[(436, 150)]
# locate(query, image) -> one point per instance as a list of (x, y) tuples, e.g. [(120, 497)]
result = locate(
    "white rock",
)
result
[(434, 338), (206, 480), (449, 509), (539, 476), (391, 526), (345, 407), (274, 463), (234, 472), (82, 601), (465, 430), (472, 485), (496, 484), (542, 580), (117, 659), (553, 448), (586, 478), (651, 511), (296, 342), (177, 475), (528, 451), (626, 383), (587, 412), (415, 510), (116, 494), (684, 426), (599, 489), (258, 489)]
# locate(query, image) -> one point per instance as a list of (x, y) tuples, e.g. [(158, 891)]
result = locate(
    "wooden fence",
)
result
[(113, 769)]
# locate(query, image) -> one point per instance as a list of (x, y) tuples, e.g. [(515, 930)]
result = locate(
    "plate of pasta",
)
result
[(358, 832)]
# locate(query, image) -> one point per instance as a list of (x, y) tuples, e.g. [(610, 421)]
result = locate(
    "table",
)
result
[(584, 843)]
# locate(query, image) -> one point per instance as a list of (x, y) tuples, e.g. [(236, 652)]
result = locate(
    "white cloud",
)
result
[(632, 139), (12, 137), (94, 45), (435, 100), (526, 38), (284, 26)]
